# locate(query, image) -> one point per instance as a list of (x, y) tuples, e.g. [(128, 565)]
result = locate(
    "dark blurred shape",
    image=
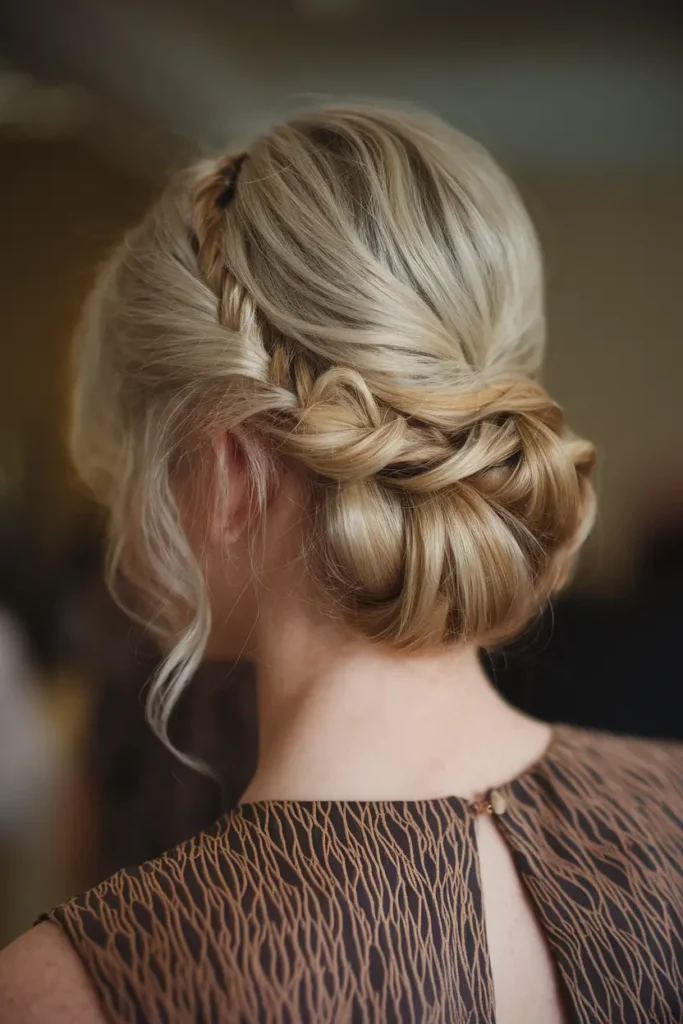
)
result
[(138, 797), (145, 799), (609, 663)]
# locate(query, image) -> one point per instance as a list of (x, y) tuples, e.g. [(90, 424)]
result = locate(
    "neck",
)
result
[(340, 718)]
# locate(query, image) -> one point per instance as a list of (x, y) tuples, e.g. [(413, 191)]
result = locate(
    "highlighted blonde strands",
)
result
[(360, 293)]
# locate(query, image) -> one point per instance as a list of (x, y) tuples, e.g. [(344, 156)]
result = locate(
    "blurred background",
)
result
[(99, 99)]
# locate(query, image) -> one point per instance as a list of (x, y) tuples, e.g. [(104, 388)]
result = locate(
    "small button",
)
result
[(499, 804)]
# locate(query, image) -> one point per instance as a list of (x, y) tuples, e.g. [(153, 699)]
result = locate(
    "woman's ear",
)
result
[(230, 488)]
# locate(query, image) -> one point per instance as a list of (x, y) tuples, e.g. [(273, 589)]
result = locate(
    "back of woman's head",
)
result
[(359, 294)]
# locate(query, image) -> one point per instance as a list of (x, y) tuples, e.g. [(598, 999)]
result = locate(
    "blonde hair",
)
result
[(360, 291)]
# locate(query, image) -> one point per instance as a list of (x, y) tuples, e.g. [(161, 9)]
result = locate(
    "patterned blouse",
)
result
[(357, 911)]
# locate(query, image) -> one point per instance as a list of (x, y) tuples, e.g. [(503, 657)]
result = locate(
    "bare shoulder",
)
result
[(42, 981)]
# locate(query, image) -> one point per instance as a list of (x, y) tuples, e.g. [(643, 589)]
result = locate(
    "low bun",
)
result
[(426, 534)]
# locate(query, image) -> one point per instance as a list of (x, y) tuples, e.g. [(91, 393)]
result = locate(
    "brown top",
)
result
[(350, 911)]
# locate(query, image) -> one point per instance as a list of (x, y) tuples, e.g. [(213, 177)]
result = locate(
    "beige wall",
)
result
[(615, 359), (615, 281)]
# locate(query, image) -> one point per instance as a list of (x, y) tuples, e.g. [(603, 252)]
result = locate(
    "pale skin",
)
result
[(339, 718)]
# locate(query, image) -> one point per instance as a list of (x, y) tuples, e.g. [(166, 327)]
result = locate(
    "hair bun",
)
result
[(437, 536)]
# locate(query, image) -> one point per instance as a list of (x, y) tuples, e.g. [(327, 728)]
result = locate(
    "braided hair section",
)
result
[(440, 509)]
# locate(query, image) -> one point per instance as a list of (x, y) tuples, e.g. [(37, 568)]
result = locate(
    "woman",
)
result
[(308, 396)]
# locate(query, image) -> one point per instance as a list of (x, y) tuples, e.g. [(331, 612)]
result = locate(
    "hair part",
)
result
[(361, 292)]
